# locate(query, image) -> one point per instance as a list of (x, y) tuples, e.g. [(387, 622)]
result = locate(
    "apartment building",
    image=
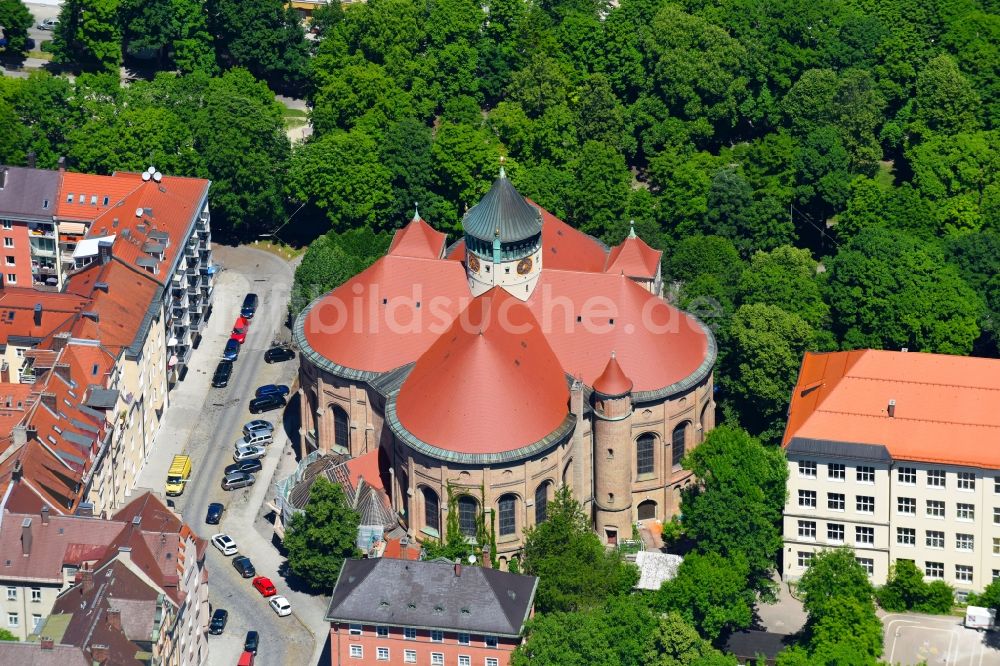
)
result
[(153, 566), (27, 227), (894, 454), (427, 612)]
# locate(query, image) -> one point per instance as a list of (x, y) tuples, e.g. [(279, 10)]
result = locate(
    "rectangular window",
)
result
[(965, 511), (13, 620), (463, 639), (835, 501), (935, 478), (492, 661), (996, 574), (907, 505), (382, 632), (807, 529), (8, 242), (437, 659), (357, 652), (11, 593), (996, 545), (807, 499), (11, 260), (864, 535), (436, 636), (906, 536), (907, 475), (355, 630), (36, 595), (935, 509), (409, 633), (934, 569), (963, 573), (866, 474), (835, 533), (807, 468), (865, 504), (382, 654), (69, 198), (464, 660), (409, 656), (934, 539), (36, 622), (996, 485), (996, 515), (966, 480), (805, 558), (836, 471), (491, 641), (868, 564), (11, 278), (964, 542), (8, 224)]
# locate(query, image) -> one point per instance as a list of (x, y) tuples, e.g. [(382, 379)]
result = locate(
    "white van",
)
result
[(255, 437)]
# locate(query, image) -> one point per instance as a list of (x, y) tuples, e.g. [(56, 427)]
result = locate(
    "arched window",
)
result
[(341, 427), (541, 502), (508, 509), (467, 510), (678, 439), (432, 513), (644, 447), (704, 416), (647, 510)]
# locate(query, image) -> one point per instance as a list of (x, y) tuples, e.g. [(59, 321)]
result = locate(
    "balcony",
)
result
[(43, 269), (41, 230)]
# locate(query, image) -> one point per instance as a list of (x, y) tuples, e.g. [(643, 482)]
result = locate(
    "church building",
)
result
[(525, 356)]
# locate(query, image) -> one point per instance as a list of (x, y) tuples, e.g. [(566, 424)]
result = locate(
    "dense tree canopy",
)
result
[(322, 536)]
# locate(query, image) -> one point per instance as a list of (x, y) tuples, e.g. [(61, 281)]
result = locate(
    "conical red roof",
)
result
[(613, 381), (634, 258), (489, 384), (418, 239)]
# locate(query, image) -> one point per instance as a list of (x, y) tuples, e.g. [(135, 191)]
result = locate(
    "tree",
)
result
[(735, 470), (977, 257), (787, 278), (989, 597), (193, 48), (906, 590), (710, 592), (676, 643), (89, 35), (603, 183), (945, 100), (833, 576), (575, 571), (15, 19), (887, 290), (333, 259), (6, 635), (321, 537)]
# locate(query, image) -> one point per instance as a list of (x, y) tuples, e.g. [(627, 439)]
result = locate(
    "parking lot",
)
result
[(914, 639)]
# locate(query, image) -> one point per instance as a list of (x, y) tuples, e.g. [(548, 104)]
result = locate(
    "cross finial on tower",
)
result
[(416, 211), (631, 229), (612, 353), (503, 172)]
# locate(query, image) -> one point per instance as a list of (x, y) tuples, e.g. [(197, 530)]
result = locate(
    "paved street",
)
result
[(204, 422), (913, 639)]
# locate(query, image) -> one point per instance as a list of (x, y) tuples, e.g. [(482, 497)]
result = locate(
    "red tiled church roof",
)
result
[(613, 381), (634, 258), (419, 240), (450, 400)]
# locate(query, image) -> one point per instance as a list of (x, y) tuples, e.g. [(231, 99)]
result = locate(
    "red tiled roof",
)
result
[(403, 302), (613, 380), (418, 239), (50, 543), (14, 404), (366, 467), (566, 248), (634, 258), (121, 309), (451, 396), (93, 188), (17, 312), (394, 549), (946, 407)]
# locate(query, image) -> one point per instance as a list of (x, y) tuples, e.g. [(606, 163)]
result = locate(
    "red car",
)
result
[(240, 329), (264, 585)]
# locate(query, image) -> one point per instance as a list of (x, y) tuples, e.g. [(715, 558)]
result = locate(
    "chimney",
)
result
[(45, 515), (458, 568), (31, 159), (38, 314), (99, 653), (892, 409), (124, 553), (102, 286), (62, 369), (18, 471), (115, 618), (487, 562), (46, 643), (104, 251), (20, 434), (59, 341), (62, 164), (86, 581), (26, 536), (49, 400)]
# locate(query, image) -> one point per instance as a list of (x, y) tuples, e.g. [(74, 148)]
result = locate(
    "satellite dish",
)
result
[(157, 176), (472, 559), (151, 170), (138, 212), (145, 175)]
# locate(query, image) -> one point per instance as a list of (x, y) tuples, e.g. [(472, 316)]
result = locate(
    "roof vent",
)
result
[(93, 316), (892, 409), (102, 286)]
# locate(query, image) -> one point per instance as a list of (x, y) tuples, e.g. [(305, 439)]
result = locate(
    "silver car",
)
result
[(257, 424), (48, 24), (249, 453), (236, 480)]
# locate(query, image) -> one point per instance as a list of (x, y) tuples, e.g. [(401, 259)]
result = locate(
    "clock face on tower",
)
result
[(524, 266), (474, 263)]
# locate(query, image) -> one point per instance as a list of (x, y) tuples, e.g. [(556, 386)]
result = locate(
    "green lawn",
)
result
[(885, 177), (294, 117)]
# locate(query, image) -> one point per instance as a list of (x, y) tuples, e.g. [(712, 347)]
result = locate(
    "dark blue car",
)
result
[(232, 351), (271, 389), (214, 514)]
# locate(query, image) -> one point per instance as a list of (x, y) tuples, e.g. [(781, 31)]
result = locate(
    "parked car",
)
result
[(251, 642), (278, 354), (218, 623), (271, 389), (266, 403), (261, 437), (223, 372), (240, 329), (245, 466), (48, 24), (257, 424), (232, 350), (214, 514), (243, 564), (280, 606), (249, 308), (264, 585), (249, 453), (225, 544), (246, 659), (237, 480)]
